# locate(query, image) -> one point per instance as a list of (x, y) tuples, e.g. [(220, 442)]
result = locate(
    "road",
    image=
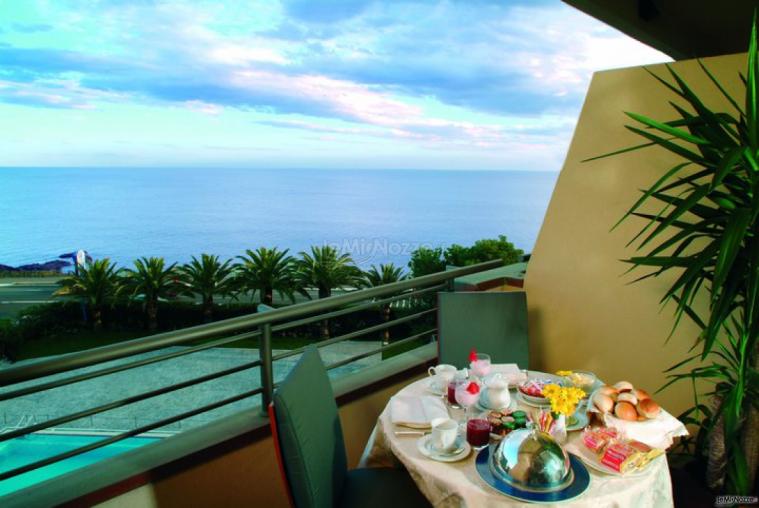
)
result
[(16, 295)]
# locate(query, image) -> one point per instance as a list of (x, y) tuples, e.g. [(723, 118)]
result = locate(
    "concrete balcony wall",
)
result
[(582, 312)]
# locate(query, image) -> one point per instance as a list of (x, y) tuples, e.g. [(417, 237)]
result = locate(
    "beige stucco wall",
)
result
[(582, 313)]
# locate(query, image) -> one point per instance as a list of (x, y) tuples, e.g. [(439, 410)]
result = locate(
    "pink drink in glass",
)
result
[(480, 365), (478, 432), (464, 397)]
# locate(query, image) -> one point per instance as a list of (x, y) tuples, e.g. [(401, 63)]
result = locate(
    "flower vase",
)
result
[(559, 429)]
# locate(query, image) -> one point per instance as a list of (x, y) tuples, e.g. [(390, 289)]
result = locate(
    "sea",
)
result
[(378, 216)]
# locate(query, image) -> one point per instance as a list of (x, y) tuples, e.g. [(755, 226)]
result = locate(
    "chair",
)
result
[(491, 322), (310, 449)]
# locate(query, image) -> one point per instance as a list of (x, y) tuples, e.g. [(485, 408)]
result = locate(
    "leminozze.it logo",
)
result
[(735, 500)]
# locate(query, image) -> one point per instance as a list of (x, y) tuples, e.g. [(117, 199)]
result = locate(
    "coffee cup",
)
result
[(441, 375), (444, 434)]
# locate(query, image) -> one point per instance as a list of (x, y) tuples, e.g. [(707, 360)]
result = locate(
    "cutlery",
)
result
[(411, 432)]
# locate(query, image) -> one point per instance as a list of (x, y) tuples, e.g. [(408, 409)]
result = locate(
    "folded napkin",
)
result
[(509, 372), (657, 432), (416, 411)]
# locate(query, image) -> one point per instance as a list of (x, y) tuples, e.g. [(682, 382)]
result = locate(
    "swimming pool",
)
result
[(24, 450)]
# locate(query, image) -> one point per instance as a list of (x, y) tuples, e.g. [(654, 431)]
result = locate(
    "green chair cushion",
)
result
[(381, 488), (310, 435)]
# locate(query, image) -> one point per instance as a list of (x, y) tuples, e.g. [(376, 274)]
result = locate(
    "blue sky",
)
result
[(469, 84)]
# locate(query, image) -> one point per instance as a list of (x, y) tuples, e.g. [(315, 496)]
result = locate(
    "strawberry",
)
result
[(473, 355), (473, 388)]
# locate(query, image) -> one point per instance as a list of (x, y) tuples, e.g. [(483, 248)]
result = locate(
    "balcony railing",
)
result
[(261, 325)]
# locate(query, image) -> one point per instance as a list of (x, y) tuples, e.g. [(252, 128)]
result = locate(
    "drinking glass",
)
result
[(452, 392), (465, 398), (478, 431), (480, 366)]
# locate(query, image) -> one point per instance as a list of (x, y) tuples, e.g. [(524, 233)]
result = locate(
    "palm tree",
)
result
[(97, 282), (325, 268), (267, 270), (207, 277), (153, 280), (385, 274)]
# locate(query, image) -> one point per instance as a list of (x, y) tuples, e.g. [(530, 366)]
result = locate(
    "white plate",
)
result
[(594, 462), (535, 400), (423, 445), (542, 376), (521, 397)]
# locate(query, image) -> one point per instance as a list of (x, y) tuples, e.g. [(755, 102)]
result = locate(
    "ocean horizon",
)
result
[(378, 216)]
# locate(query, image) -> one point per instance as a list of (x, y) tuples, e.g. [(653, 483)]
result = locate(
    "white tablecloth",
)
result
[(458, 484)]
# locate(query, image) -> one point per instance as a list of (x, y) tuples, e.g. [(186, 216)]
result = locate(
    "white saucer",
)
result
[(511, 407), (437, 390), (424, 447)]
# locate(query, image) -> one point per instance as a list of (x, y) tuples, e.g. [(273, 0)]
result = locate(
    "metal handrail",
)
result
[(126, 366), (101, 354), (356, 308), (126, 401), (130, 433), (357, 333), (259, 325)]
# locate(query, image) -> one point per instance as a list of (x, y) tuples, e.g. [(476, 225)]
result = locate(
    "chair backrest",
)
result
[(491, 322), (307, 430)]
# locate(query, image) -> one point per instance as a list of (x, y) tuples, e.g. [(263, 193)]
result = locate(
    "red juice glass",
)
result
[(478, 432), (452, 393)]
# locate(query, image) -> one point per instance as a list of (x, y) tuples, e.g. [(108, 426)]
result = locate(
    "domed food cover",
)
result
[(531, 460)]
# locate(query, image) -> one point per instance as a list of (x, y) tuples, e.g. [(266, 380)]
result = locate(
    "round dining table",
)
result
[(458, 484)]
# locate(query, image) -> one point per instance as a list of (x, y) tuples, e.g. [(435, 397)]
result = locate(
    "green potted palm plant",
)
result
[(701, 225)]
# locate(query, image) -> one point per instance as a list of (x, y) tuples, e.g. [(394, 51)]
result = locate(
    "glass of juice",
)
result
[(478, 432), (452, 392)]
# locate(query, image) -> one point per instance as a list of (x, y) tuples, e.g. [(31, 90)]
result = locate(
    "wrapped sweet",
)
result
[(621, 456), (647, 453), (596, 440)]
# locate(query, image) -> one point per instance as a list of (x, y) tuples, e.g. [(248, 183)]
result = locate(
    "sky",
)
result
[(458, 84)]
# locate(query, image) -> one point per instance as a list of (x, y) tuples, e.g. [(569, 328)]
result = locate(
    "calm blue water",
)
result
[(24, 450), (379, 216)]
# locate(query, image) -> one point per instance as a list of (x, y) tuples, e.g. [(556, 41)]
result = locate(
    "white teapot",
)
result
[(498, 396)]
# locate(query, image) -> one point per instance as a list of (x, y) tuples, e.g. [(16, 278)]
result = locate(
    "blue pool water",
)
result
[(24, 450)]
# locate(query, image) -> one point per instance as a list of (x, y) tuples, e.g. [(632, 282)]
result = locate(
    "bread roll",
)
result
[(648, 408), (627, 397), (607, 390), (626, 411), (624, 386), (603, 402), (641, 394)]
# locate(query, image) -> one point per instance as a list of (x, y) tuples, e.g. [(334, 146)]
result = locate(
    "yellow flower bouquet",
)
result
[(563, 399)]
